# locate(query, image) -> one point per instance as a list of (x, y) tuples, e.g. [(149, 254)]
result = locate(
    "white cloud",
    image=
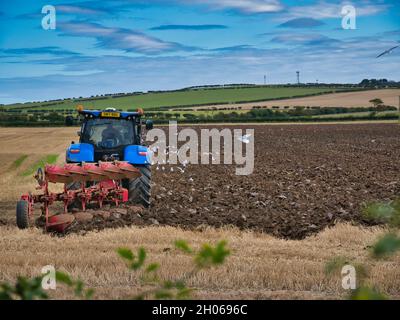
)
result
[(324, 10), (304, 38), (86, 29), (119, 38), (138, 42), (71, 9), (246, 6)]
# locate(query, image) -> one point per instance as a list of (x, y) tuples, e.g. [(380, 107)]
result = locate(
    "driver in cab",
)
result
[(110, 133)]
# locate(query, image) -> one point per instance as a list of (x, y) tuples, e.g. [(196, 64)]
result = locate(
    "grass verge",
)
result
[(48, 159), (17, 163)]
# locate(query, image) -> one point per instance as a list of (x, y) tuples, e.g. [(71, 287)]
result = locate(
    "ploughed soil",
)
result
[(305, 178)]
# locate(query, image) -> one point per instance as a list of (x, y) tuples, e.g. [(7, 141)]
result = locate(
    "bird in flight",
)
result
[(245, 138), (388, 51)]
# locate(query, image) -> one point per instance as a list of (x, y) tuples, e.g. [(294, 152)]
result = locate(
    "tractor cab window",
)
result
[(108, 133)]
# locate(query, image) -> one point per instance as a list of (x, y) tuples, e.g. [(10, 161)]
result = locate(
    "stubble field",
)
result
[(389, 97)]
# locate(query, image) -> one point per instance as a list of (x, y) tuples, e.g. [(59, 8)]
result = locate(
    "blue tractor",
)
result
[(111, 135)]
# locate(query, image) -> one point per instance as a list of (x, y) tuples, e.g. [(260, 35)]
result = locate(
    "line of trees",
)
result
[(257, 114), (379, 83)]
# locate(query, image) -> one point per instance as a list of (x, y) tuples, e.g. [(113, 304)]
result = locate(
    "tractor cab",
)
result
[(110, 135), (107, 134)]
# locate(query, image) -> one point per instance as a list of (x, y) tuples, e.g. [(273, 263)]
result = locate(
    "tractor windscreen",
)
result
[(108, 133)]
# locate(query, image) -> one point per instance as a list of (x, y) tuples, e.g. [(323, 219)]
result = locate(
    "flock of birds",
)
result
[(244, 139)]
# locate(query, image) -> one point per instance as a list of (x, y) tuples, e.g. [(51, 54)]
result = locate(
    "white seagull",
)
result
[(245, 138)]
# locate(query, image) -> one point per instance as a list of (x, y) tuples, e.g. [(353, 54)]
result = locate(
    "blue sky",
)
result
[(114, 46)]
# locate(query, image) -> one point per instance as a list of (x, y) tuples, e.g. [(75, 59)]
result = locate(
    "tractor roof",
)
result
[(111, 113)]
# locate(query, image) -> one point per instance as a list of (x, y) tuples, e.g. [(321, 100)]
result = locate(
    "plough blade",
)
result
[(112, 171), (91, 172), (56, 174), (60, 222), (95, 173), (129, 171), (77, 172)]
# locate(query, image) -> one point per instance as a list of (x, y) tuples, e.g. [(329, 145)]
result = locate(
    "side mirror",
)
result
[(69, 121), (149, 124)]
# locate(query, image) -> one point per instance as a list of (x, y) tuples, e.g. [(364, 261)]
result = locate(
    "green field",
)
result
[(180, 98)]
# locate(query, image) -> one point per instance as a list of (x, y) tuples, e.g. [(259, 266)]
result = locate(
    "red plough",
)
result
[(99, 183)]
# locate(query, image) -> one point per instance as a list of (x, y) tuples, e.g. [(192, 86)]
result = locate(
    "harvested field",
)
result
[(299, 208), (260, 266), (342, 99)]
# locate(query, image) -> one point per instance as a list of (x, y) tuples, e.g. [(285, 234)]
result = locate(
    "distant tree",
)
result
[(376, 102), (55, 117), (189, 116)]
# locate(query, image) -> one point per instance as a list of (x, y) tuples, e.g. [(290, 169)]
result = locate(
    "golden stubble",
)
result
[(259, 267)]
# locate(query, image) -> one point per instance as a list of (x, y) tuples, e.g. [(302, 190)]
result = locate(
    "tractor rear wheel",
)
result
[(140, 188), (23, 214)]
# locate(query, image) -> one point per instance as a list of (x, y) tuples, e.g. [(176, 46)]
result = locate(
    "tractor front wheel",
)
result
[(23, 214), (140, 188)]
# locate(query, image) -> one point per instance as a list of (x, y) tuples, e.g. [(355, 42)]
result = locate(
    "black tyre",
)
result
[(140, 188), (23, 214)]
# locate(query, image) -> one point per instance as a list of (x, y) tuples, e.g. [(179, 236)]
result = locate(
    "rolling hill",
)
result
[(156, 100)]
